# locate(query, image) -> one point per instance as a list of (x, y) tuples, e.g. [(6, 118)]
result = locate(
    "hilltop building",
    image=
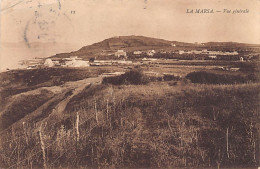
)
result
[(120, 53), (234, 53)]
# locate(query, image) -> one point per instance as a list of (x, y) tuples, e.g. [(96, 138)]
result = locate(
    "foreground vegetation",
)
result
[(133, 126)]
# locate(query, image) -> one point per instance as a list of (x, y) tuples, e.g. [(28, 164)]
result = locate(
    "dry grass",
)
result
[(153, 125)]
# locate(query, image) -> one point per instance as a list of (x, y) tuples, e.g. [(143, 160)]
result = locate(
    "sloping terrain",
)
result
[(26, 92), (39, 103), (140, 126)]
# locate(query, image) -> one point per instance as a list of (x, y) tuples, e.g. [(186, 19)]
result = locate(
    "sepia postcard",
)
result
[(129, 84)]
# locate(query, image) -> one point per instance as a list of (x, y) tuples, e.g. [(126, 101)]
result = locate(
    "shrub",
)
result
[(135, 77), (248, 66), (170, 77), (213, 78)]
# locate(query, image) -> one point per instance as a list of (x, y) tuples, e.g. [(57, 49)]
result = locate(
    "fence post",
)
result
[(77, 131), (43, 148), (77, 126), (25, 133), (227, 144), (96, 111)]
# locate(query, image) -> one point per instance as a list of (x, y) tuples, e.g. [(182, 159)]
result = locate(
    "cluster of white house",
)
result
[(73, 61), (122, 53), (205, 51)]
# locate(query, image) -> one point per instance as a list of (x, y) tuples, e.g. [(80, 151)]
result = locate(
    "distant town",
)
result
[(122, 57)]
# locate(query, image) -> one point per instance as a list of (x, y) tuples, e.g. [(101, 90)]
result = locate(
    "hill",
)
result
[(132, 43), (128, 43)]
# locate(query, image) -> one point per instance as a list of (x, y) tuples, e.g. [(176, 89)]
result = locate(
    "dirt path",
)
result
[(76, 88), (56, 105)]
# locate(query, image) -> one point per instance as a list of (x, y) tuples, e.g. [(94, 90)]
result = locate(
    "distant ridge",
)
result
[(132, 43)]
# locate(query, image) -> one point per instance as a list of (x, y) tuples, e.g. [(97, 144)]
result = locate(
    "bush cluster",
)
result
[(214, 78), (134, 77)]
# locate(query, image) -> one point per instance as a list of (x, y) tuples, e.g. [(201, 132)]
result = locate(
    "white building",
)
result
[(137, 52), (151, 52), (212, 56), (49, 63), (124, 62), (149, 59), (181, 52), (173, 45), (73, 57), (76, 63), (204, 51), (195, 51), (120, 53)]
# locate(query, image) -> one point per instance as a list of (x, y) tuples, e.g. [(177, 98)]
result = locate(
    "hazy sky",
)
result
[(46, 27)]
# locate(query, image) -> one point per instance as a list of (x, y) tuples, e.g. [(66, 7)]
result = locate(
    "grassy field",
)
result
[(138, 120)]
